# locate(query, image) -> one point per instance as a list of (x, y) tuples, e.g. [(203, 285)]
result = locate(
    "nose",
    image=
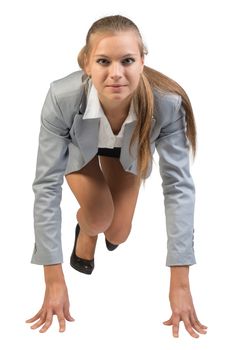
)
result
[(115, 70)]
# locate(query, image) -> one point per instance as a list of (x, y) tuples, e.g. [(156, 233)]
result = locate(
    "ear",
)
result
[(142, 64)]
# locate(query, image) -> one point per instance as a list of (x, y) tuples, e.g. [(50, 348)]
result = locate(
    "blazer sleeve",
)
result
[(178, 189), (50, 166)]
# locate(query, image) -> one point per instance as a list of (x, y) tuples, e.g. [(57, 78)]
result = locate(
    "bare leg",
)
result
[(97, 209), (124, 192)]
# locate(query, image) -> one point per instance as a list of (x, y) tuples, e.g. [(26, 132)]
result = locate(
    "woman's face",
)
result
[(115, 65)]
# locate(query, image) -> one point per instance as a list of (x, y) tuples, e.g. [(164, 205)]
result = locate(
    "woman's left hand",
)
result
[(183, 310)]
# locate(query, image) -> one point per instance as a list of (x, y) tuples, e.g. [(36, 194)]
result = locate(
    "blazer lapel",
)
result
[(126, 157), (87, 132)]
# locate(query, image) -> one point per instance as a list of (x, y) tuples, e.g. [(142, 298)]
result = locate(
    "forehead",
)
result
[(120, 42)]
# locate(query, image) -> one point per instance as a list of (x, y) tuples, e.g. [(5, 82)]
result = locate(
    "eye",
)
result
[(128, 61), (102, 61)]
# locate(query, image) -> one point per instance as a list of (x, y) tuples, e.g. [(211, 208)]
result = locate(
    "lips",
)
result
[(115, 86)]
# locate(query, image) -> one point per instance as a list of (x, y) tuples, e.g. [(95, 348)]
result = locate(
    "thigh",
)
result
[(124, 187), (92, 192)]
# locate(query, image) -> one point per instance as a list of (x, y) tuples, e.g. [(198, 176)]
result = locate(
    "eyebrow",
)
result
[(128, 54)]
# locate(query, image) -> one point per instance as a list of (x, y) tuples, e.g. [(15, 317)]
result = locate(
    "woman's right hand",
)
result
[(56, 302)]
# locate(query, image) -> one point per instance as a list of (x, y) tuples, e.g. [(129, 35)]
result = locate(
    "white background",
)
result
[(124, 302)]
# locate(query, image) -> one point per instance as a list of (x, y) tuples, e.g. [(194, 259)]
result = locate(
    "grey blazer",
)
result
[(67, 142)]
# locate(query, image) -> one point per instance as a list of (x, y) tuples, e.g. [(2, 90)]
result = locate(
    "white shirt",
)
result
[(107, 139)]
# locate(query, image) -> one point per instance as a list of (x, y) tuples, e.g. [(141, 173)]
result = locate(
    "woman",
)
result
[(99, 128)]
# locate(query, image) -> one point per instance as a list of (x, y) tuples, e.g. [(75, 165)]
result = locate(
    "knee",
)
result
[(118, 234), (99, 219)]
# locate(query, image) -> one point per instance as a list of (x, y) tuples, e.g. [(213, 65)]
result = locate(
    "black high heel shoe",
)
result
[(80, 264), (111, 246)]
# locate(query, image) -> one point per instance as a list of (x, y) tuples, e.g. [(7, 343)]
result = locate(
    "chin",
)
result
[(117, 96)]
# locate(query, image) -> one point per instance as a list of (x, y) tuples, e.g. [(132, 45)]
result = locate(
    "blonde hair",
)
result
[(143, 99)]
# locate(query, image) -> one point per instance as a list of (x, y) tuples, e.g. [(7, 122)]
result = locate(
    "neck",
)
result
[(115, 110)]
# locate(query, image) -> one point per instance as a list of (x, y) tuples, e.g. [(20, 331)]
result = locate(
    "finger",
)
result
[(205, 327), (196, 324), (34, 318), (48, 322), (68, 317), (39, 323), (188, 326), (168, 322), (61, 320), (175, 322), (201, 325)]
